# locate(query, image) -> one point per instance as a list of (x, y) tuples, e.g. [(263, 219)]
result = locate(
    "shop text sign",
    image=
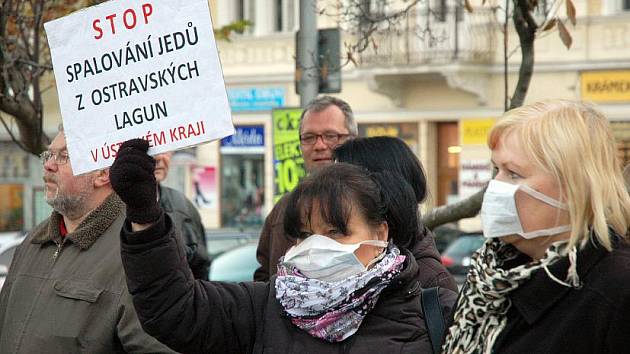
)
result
[(475, 131), (287, 156), (606, 86), (137, 69)]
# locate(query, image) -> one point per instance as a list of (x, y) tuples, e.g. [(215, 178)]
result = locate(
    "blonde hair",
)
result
[(573, 142)]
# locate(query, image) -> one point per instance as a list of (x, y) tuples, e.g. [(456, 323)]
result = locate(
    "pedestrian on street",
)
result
[(66, 290), (554, 274), (325, 123), (347, 286)]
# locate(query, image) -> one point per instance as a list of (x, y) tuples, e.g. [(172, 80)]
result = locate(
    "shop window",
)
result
[(243, 190), (448, 162), (242, 178), (11, 207)]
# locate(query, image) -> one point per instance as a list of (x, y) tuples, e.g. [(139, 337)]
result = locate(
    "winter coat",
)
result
[(69, 295), (274, 243), (215, 317), (546, 317), (187, 218)]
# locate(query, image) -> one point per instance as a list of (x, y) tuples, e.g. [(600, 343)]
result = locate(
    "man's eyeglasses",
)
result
[(329, 139), (60, 157)]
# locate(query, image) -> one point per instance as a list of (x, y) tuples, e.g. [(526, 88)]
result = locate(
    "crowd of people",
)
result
[(345, 261)]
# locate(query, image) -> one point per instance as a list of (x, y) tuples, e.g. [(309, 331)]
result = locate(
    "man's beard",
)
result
[(71, 206)]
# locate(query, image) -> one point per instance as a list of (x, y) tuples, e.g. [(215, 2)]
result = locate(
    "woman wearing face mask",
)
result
[(384, 153), (346, 287), (554, 274)]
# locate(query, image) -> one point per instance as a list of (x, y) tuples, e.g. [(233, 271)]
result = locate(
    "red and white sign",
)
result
[(137, 69)]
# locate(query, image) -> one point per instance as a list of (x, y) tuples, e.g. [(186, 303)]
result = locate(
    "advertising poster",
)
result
[(137, 69), (288, 162), (205, 187)]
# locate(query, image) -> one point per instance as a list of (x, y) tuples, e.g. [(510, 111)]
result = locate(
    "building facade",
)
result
[(440, 92)]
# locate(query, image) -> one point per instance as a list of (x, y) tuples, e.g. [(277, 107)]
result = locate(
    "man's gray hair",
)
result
[(321, 103)]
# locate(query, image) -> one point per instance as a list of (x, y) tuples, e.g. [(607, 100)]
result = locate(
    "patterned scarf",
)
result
[(334, 311), (481, 312)]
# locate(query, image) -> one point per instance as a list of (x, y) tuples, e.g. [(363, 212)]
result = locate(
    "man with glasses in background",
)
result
[(66, 290), (325, 123)]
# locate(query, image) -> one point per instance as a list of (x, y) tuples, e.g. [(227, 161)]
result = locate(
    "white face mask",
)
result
[(499, 215), (320, 257)]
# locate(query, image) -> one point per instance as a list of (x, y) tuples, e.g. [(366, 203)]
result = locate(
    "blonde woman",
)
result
[(554, 273)]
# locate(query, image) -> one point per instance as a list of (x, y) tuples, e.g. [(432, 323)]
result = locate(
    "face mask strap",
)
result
[(542, 197), (546, 232)]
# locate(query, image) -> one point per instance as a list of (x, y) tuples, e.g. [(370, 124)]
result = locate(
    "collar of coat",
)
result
[(89, 230), (535, 297)]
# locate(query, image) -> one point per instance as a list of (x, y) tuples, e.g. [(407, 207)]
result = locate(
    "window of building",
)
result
[(242, 178), (11, 207), (625, 5)]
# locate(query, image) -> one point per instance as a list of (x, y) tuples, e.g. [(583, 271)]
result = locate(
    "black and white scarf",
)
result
[(481, 312)]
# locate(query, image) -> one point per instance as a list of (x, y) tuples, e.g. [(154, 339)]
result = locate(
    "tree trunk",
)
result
[(526, 29), (444, 214)]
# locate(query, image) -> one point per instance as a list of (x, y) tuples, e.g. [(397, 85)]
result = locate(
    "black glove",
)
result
[(132, 177)]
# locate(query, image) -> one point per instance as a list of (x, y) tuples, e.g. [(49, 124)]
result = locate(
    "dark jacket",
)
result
[(214, 317), (70, 295), (187, 218), (274, 243), (547, 317)]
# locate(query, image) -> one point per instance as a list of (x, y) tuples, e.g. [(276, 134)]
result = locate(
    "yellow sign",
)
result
[(606, 86), (475, 131), (287, 156)]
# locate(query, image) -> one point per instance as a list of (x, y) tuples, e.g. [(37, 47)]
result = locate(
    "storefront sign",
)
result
[(287, 157), (605, 86), (137, 69), (256, 99), (245, 140), (473, 176), (408, 132), (475, 131)]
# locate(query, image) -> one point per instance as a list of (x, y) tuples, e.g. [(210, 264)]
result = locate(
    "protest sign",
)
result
[(287, 157), (137, 69)]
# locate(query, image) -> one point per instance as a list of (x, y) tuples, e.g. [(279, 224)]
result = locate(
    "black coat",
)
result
[(214, 317), (547, 317)]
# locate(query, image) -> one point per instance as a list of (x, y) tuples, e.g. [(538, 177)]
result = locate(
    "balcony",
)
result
[(455, 36)]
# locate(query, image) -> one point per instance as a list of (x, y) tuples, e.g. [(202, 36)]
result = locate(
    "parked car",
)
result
[(444, 235), (235, 265), (456, 258), (221, 240), (9, 241)]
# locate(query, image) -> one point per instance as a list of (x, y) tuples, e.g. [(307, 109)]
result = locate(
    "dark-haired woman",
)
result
[(346, 287), (384, 153)]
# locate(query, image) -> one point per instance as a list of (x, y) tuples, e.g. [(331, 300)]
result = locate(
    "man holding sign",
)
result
[(325, 123), (66, 290)]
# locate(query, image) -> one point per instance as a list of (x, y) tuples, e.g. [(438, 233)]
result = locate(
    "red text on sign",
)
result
[(129, 20)]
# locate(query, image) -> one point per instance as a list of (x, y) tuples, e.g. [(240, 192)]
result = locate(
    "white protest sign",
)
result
[(137, 69)]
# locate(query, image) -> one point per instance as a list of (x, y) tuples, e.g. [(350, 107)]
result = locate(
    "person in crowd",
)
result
[(348, 285), (554, 273), (325, 123), (66, 290), (185, 216), (381, 153)]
